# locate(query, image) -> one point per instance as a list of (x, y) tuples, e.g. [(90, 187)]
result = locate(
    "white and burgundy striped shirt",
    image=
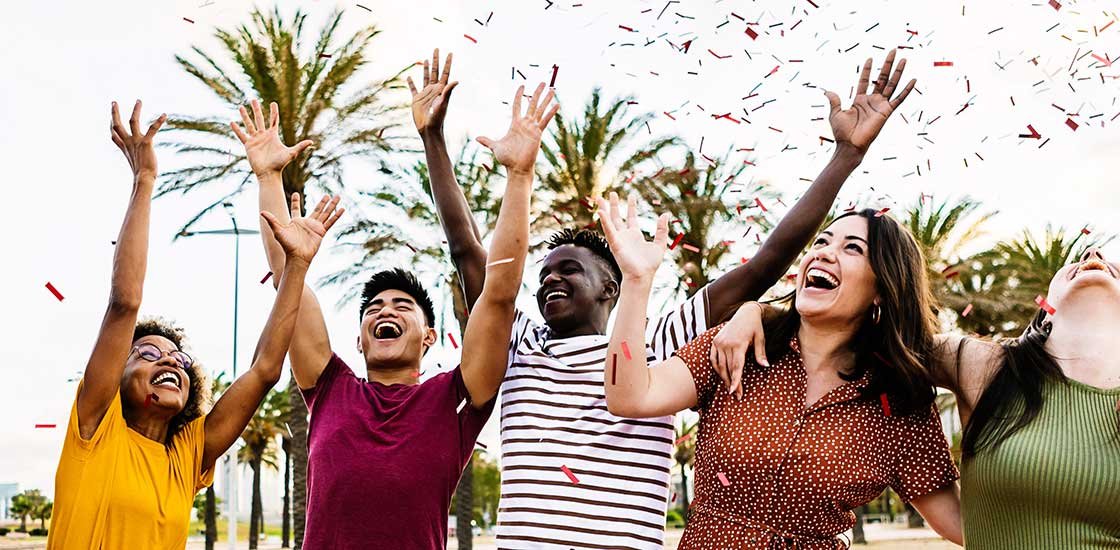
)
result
[(554, 414)]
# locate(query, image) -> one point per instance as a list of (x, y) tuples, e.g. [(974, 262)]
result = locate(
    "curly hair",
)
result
[(590, 240), (198, 402)]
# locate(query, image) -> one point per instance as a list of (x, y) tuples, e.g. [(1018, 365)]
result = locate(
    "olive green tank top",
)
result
[(1053, 485)]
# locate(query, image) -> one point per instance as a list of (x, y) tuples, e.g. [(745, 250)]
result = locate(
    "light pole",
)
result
[(230, 460)]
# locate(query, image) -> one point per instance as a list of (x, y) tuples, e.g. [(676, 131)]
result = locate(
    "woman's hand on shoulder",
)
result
[(734, 341)]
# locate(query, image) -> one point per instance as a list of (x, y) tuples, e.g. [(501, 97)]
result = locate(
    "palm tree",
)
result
[(24, 505), (210, 509), (43, 512), (275, 60), (684, 454), (260, 450), (582, 153), (697, 199)]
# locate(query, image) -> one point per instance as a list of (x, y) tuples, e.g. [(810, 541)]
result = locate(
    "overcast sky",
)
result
[(1013, 63)]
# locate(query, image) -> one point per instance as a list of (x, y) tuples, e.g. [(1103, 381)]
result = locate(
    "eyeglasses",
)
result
[(149, 352)]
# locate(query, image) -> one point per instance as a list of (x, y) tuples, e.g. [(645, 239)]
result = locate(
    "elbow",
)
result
[(466, 254), (620, 409), (125, 302)]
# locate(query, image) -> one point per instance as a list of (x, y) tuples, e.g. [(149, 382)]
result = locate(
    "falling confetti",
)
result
[(54, 291), (462, 404), (886, 403), (569, 473), (266, 277), (626, 350), (1042, 303), (723, 479)]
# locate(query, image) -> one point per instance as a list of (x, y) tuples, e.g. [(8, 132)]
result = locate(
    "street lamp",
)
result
[(231, 455)]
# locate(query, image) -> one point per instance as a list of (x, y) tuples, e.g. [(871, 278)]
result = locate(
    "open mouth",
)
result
[(167, 379), (1093, 264), (819, 278), (387, 330), (555, 294)]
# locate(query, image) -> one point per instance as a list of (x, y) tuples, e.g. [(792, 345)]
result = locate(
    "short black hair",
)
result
[(591, 240), (404, 281)]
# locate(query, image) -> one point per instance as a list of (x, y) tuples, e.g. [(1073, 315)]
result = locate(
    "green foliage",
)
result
[(199, 506), (487, 487), (674, 519), (30, 503)]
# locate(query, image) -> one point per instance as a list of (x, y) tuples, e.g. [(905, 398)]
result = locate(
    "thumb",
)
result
[(661, 236), (447, 91), (273, 223), (301, 146), (833, 102), (485, 142)]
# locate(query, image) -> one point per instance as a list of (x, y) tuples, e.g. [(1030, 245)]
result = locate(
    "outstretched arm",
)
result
[(311, 347), (299, 241), (486, 338), (429, 108), (632, 389), (854, 130), (102, 378), (942, 511)]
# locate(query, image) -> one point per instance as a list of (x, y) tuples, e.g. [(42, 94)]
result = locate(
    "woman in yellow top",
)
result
[(138, 446)]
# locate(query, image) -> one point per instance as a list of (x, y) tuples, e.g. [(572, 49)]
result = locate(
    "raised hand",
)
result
[(517, 150), (859, 124), (300, 238), (266, 152), (137, 145), (429, 104), (636, 257)]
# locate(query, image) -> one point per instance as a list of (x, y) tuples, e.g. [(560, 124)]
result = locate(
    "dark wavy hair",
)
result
[(591, 240), (198, 402), (404, 281), (896, 349)]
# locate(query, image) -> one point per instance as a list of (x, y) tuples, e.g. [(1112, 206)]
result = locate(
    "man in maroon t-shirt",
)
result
[(386, 452)]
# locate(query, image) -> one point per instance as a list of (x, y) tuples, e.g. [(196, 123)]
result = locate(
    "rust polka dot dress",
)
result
[(772, 473)]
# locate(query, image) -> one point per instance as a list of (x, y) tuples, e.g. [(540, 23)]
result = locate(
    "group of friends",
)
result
[(785, 450)]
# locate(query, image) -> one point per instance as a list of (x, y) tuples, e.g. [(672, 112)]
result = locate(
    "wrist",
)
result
[(145, 179), (640, 279), (432, 135), (295, 264), (269, 176), (848, 153), (520, 173)]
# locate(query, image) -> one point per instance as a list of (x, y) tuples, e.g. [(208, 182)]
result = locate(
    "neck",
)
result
[(1082, 338), (826, 347), (596, 324), (147, 424), (407, 375)]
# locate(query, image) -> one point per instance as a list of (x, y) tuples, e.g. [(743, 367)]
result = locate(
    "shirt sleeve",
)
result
[(190, 444), (112, 423), (678, 327), (697, 357), (925, 463), (523, 327), (336, 368)]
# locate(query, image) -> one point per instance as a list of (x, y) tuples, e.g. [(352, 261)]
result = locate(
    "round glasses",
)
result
[(149, 352)]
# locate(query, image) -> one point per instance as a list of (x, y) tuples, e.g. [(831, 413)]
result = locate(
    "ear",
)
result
[(358, 343), (610, 290), (429, 339)]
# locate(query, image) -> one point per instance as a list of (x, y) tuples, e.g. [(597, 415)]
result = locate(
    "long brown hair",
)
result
[(896, 349)]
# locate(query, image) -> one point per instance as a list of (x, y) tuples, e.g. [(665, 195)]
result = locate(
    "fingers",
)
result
[(446, 70), (115, 125), (134, 120), (258, 116), (294, 209), (333, 217), (902, 96), (884, 72), (735, 372), (155, 126), (605, 218), (273, 223), (237, 131), (427, 79), (435, 67), (273, 115), (719, 365), (116, 137), (632, 211), (615, 212), (249, 126), (411, 86), (548, 116), (541, 109), (889, 89), (299, 147), (661, 234), (517, 101), (319, 207), (760, 348), (861, 89), (531, 113), (833, 102), (447, 91)]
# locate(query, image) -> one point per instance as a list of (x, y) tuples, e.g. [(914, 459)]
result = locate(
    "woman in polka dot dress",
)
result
[(845, 412)]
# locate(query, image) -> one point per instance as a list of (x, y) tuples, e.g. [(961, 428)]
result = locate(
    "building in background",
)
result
[(7, 491)]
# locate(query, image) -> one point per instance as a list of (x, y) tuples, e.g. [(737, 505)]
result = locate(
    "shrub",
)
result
[(36, 532), (3, 531)]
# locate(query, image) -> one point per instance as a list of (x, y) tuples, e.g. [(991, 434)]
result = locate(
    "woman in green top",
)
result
[(1041, 447)]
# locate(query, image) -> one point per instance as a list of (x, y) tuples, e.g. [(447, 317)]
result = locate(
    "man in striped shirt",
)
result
[(574, 475)]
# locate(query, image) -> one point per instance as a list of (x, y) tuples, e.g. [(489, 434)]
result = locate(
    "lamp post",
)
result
[(230, 460)]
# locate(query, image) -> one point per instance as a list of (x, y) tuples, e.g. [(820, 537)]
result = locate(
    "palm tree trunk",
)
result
[(857, 530), (297, 422), (684, 495), (464, 493), (913, 518), (211, 519), (254, 512), (286, 511)]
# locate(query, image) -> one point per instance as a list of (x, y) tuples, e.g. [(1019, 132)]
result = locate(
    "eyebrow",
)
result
[(562, 263), (852, 237), (381, 301)]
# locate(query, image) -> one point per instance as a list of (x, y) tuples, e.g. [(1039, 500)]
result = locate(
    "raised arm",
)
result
[(632, 389), (299, 240), (106, 364), (311, 347), (429, 108), (854, 129), (486, 338)]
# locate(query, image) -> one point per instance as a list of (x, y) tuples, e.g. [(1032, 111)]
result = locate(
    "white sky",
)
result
[(67, 60)]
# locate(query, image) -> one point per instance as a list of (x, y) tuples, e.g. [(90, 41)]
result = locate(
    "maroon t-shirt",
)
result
[(383, 461)]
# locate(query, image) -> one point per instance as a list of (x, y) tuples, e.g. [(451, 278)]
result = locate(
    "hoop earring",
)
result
[(876, 314)]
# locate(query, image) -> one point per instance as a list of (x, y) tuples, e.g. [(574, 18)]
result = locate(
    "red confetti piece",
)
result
[(468, 37), (751, 33), (942, 63), (625, 28), (54, 291), (718, 56), (690, 248), (687, 45), (723, 479), (453, 342), (266, 277), (1042, 303), (676, 241), (1085, 230), (569, 473), (324, 56), (614, 368), (880, 213), (1107, 62), (626, 350), (1055, 4), (967, 310), (674, 499), (1072, 125), (552, 83), (758, 201), (886, 403), (1033, 135), (191, 21), (46, 426), (684, 437), (774, 70)]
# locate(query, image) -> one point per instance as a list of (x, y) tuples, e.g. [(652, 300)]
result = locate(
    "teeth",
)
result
[(820, 273), (555, 294), (167, 378), (387, 329)]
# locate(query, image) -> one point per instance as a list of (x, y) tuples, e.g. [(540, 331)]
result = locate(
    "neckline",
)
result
[(1093, 389), (140, 438)]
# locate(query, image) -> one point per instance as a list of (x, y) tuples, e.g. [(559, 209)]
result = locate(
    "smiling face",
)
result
[(164, 378), (1091, 278), (835, 282), (577, 290), (395, 332)]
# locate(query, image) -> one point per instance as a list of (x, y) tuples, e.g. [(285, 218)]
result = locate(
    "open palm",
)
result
[(517, 150), (429, 104), (636, 257), (859, 124), (266, 152), (300, 238)]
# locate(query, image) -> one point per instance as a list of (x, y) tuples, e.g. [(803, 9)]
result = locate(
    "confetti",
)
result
[(1033, 135), (886, 403), (967, 310), (468, 37), (54, 291), (462, 404), (751, 33), (364, 8), (500, 262), (1072, 125), (46, 426), (1055, 4), (191, 21), (942, 63), (676, 241), (267, 276), (723, 479), (1085, 230), (453, 342), (626, 350), (289, 428), (614, 368), (552, 83), (1042, 303), (758, 201), (684, 437), (880, 213), (569, 473)]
